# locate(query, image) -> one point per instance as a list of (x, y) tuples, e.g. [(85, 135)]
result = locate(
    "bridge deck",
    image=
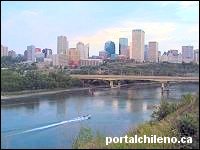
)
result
[(131, 77)]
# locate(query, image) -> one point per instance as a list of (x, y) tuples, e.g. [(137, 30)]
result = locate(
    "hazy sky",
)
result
[(172, 24)]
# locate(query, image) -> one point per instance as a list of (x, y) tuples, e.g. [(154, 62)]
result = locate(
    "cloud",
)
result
[(30, 13), (189, 4), (154, 31)]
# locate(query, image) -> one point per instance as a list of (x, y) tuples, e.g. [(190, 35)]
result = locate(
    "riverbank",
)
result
[(180, 120), (22, 94), (29, 93)]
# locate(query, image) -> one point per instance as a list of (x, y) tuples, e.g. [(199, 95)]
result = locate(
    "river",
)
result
[(114, 111)]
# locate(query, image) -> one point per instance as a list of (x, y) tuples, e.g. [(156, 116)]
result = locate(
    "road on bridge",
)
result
[(132, 77)]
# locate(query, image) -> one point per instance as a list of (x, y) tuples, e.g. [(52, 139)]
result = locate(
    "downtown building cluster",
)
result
[(136, 50)]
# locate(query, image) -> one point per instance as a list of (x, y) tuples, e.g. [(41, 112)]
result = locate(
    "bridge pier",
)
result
[(111, 83), (165, 87), (119, 84)]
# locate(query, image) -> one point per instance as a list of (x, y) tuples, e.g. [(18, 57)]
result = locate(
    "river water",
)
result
[(114, 111)]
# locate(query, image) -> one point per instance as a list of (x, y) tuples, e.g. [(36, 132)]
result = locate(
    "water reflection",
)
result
[(144, 106), (115, 104), (128, 106), (121, 108), (61, 108)]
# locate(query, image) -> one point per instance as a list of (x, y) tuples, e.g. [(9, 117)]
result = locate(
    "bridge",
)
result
[(162, 79)]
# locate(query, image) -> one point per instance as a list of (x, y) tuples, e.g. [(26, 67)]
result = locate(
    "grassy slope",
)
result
[(165, 127)]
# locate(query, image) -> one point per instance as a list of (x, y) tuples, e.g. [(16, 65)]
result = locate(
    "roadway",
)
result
[(132, 77)]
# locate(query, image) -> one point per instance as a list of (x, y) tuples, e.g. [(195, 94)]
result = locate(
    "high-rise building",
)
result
[(187, 54), (179, 58), (109, 48), (164, 57), (196, 56), (37, 50), (4, 51), (25, 55), (146, 52), (73, 57), (172, 56), (86, 50), (130, 51), (159, 56), (12, 53), (62, 45), (123, 47), (138, 45), (31, 53), (153, 52), (59, 60), (80, 47), (47, 52)]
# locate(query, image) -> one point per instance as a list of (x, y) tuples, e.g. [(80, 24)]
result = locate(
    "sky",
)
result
[(171, 23)]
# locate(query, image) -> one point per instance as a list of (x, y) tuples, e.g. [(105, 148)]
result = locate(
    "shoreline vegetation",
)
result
[(29, 93), (168, 120)]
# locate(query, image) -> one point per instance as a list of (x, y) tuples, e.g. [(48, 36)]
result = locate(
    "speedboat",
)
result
[(87, 116)]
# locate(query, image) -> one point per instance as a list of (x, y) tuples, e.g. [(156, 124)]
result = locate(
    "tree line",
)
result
[(12, 80)]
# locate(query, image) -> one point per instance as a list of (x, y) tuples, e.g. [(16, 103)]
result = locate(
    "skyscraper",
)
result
[(12, 53), (187, 54), (153, 52), (123, 47), (73, 57), (4, 51), (109, 48), (196, 56), (47, 52), (80, 47), (138, 45), (146, 52), (86, 50), (31, 53), (62, 45)]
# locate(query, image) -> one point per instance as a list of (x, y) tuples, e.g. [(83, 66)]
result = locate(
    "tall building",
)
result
[(187, 54), (130, 51), (153, 52), (172, 56), (12, 53), (138, 45), (4, 51), (86, 50), (123, 47), (109, 48), (73, 57), (59, 60), (25, 55), (31, 53), (179, 58), (47, 52), (80, 47), (164, 57), (146, 52), (159, 56), (62, 45), (196, 56)]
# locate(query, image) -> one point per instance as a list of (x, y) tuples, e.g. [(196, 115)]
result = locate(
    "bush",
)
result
[(85, 136), (163, 110), (188, 125)]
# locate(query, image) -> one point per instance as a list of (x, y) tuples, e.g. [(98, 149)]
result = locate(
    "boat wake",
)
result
[(53, 125)]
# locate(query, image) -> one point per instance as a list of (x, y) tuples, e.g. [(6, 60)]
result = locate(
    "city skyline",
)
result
[(42, 22)]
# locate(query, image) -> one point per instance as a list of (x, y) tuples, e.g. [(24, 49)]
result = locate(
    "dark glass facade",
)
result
[(109, 48)]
